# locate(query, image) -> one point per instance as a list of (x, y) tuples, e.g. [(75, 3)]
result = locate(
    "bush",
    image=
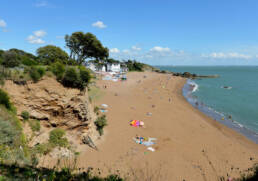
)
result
[(36, 73), (5, 100), (56, 138), (85, 77), (25, 115), (10, 59), (100, 123), (71, 78), (34, 125), (96, 110), (41, 71), (58, 69)]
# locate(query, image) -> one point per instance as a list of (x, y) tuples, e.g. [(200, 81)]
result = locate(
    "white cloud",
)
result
[(2, 23), (41, 4), (40, 33), (136, 48), (126, 51), (160, 49), (37, 36), (230, 55), (99, 24), (114, 50)]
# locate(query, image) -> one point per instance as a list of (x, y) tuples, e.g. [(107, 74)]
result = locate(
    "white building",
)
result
[(93, 67), (110, 67), (113, 67)]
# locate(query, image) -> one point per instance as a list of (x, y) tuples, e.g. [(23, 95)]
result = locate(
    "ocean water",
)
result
[(239, 100)]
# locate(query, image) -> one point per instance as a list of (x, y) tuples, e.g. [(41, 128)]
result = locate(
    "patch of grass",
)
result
[(56, 137), (25, 115), (100, 123), (34, 125), (8, 133), (13, 143), (43, 149), (94, 93)]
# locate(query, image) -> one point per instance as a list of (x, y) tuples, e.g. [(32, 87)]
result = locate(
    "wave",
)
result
[(193, 85)]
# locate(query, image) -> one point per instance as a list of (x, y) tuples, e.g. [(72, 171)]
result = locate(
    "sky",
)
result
[(157, 32)]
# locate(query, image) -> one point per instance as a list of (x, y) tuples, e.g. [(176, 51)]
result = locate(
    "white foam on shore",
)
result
[(194, 85)]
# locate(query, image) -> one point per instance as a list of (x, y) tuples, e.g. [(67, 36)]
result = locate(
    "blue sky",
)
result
[(158, 32)]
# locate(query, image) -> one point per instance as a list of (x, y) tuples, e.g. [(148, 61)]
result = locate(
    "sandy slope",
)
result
[(190, 145)]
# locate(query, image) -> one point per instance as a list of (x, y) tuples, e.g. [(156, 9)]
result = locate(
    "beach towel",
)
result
[(136, 123), (104, 105)]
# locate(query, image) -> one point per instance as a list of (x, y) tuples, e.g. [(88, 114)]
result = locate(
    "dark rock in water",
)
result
[(227, 87), (187, 74), (229, 117)]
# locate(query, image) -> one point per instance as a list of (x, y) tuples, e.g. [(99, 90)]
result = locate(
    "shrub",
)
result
[(4, 99), (56, 138), (43, 149), (25, 115), (85, 77), (96, 110), (8, 133), (34, 125), (36, 73), (41, 71), (58, 69), (71, 78), (10, 59), (100, 123)]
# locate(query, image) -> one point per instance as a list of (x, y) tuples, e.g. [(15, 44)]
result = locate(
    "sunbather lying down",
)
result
[(144, 141)]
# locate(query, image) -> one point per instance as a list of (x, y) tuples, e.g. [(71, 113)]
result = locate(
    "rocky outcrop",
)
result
[(54, 105), (186, 74)]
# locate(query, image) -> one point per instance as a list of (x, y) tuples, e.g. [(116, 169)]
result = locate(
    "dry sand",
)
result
[(190, 145)]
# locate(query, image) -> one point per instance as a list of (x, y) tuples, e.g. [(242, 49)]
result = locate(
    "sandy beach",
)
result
[(189, 146)]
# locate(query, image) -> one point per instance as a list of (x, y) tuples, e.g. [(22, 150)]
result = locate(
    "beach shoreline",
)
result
[(187, 91), (190, 145)]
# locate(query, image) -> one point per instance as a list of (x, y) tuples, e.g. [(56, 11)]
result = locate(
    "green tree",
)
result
[(85, 45), (25, 57), (1, 56), (10, 59), (51, 54)]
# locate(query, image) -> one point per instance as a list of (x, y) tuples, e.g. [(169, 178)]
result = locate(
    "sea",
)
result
[(231, 98)]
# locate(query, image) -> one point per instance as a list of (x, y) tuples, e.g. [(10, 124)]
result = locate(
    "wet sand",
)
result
[(189, 146)]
